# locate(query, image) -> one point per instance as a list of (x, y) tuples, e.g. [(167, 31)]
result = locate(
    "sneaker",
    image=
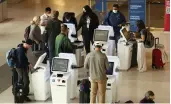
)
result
[(27, 99)]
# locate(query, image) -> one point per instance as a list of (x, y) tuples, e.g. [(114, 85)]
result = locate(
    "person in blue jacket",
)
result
[(115, 19)]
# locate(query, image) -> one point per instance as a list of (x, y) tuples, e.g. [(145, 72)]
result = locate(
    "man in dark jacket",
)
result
[(88, 22), (53, 29), (115, 19), (22, 65)]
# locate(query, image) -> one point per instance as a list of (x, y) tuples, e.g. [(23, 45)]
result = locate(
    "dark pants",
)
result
[(23, 76), (87, 41), (51, 54), (14, 78), (117, 37)]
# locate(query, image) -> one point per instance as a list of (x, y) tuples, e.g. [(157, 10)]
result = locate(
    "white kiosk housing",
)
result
[(60, 80), (72, 32), (109, 48), (41, 80), (124, 50), (74, 72)]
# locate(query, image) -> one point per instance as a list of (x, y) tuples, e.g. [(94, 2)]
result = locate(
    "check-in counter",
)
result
[(3, 10)]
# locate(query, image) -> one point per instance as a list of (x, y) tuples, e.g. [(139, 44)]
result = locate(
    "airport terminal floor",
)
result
[(133, 83)]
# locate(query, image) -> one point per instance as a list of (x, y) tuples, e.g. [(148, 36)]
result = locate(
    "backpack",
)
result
[(149, 41), (27, 32), (11, 58)]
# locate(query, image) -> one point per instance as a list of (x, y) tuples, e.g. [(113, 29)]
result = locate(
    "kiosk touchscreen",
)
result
[(101, 35), (125, 34), (60, 65), (109, 71)]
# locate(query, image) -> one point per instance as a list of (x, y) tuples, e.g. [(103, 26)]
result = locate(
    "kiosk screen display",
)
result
[(101, 35), (110, 69), (126, 34), (60, 65)]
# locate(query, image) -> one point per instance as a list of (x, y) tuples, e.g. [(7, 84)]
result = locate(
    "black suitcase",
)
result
[(134, 53), (19, 92), (84, 93)]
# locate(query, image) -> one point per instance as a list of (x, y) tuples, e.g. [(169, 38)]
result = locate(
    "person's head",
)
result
[(36, 20), (67, 16), (27, 44), (150, 95), (140, 25), (98, 46), (48, 11), (64, 29), (55, 14), (87, 9), (115, 8)]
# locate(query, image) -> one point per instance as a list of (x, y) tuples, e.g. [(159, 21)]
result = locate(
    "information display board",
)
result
[(137, 11)]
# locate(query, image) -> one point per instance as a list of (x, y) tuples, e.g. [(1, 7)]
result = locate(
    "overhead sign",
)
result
[(137, 11), (100, 5)]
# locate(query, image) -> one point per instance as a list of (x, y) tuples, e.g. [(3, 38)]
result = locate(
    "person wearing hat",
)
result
[(22, 65), (53, 29), (63, 44), (149, 97), (97, 63), (115, 19)]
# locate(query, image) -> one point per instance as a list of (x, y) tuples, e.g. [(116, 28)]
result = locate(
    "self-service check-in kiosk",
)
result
[(105, 34), (41, 80), (112, 81), (74, 72), (78, 45), (60, 80)]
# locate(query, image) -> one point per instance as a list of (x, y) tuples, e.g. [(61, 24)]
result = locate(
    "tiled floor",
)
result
[(133, 84)]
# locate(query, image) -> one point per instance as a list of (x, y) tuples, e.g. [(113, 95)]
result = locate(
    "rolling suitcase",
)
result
[(84, 92), (157, 56), (19, 92)]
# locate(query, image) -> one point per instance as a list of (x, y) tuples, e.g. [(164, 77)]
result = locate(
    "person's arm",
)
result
[(106, 19), (86, 62), (122, 21), (67, 46), (143, 34), (22, 58), (80, 23), (106, 63)]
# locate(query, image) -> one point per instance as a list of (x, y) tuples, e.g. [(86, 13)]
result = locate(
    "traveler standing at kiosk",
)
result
[(141, 53), (63, 44), (97, 63), (53, 29), (115, 19), (22, 65), (88, 22)]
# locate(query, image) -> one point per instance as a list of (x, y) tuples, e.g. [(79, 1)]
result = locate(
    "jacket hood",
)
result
[(87, 8)]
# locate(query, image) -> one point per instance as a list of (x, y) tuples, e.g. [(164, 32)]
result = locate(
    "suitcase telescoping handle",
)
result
[(156, 41)]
